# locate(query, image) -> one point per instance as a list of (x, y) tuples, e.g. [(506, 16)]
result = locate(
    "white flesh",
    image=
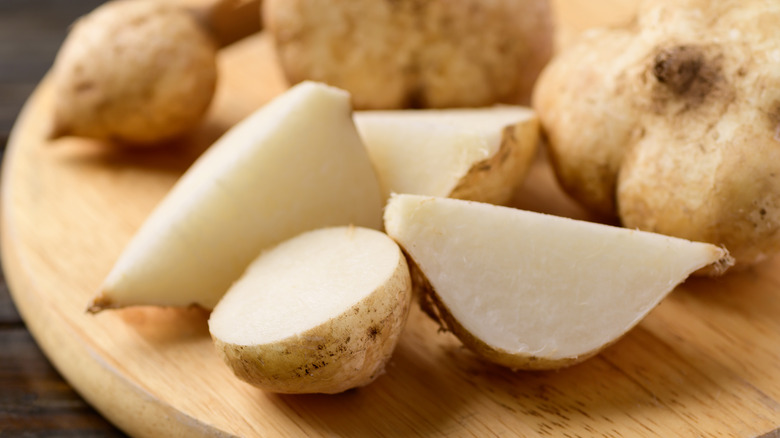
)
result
[(294, 165), (303, 283), (539, 285), (427, 152)]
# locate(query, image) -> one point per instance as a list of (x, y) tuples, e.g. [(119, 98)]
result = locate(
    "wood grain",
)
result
[(706, 362)]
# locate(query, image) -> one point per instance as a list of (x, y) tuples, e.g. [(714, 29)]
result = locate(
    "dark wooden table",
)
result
[(34, 399)]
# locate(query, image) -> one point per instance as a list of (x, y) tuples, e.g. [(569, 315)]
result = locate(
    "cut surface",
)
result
[(319, 313), (296, 164), (534, 285), (429, 152), (302, 283)]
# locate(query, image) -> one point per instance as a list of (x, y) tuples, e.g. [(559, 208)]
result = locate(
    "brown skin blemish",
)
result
[(318, 365), (84, 86), (678, 67), (373, 331), (415, 98), (686, 72)]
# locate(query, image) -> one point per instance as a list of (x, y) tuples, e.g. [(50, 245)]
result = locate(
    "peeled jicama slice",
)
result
[(530, 290), (321, 312), (294, 165), (481, 154)]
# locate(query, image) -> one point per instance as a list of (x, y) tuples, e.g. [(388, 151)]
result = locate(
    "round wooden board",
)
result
[(706, 362)]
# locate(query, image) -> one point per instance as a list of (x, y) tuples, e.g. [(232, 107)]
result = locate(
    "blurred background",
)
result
[(31, 31), (34, 400)]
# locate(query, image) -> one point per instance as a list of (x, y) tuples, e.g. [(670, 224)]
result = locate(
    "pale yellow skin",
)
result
[(137, 72), (495, 179), (673, 124), (346, 352), (413, 54)]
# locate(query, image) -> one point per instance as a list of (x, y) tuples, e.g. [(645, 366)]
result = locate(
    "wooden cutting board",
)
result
[(706, 362)]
